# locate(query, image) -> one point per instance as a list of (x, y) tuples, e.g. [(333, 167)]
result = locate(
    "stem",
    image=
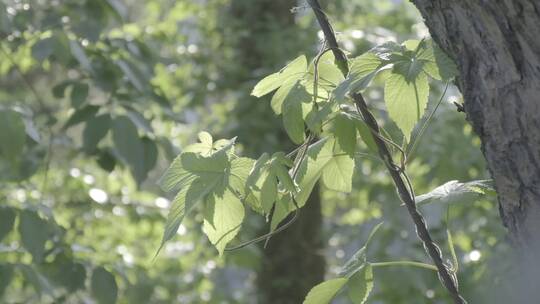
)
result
[(398, 175), (404, 263)]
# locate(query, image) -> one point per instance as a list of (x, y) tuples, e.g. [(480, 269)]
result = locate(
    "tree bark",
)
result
[(496, 46)]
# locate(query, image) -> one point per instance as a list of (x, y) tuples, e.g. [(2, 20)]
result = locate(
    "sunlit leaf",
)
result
[(456, 192), (360, 285), (224, 214), (325, 291), (292, 72), (406, 100), (293, 112)]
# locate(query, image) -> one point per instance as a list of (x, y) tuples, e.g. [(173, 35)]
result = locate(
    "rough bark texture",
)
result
[(268, 37), (496, 45)]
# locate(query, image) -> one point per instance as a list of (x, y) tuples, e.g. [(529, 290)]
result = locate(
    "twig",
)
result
[(447, 279)]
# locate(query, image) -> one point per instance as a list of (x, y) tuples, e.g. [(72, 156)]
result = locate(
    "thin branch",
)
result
[(448, 280)]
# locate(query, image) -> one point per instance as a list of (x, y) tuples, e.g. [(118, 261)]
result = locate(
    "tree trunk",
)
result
[(266, 36), (496, 46)]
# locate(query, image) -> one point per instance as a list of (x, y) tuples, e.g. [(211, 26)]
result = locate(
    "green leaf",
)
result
[(292, 72), (345, 133), (436, 63), (80, 54), (321, 156), (183, 203), (129, 146), (43, 48), (150, 152), (81, 115), (79, 94), (12, 134), (36, 279), (6, 275), (406, 101), (329, 76), (325, 291), (365, 134), (363, 70), (455, 191), (103, 286), (223, 217), (133, 74), (294, 110), (34, 232), (360, 285), (214, 179), (7, 219), (263, 180), (140, 121), (64, 272), (338, 172), (95, 130)]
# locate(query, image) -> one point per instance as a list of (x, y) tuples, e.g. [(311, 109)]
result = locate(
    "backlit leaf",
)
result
[(406, 100), (325, 291), (360, 285), (292, 72)]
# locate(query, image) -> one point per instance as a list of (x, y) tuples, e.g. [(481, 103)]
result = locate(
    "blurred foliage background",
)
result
[(98, 96)]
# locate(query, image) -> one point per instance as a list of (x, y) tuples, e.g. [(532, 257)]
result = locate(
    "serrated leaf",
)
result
[(34, 232), (95, 130), (345, 133), (183, 203), (7, 219), (338, 172), (262, 182), (406, 101), (363, 70), (455, 191), (325, 291), (217, 181), (291, 73), (320, 157), (436, 63), (223, 221), (12, 134), (103, 286), (329, 76), (294, 111), (360, 285), (365, 134)]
